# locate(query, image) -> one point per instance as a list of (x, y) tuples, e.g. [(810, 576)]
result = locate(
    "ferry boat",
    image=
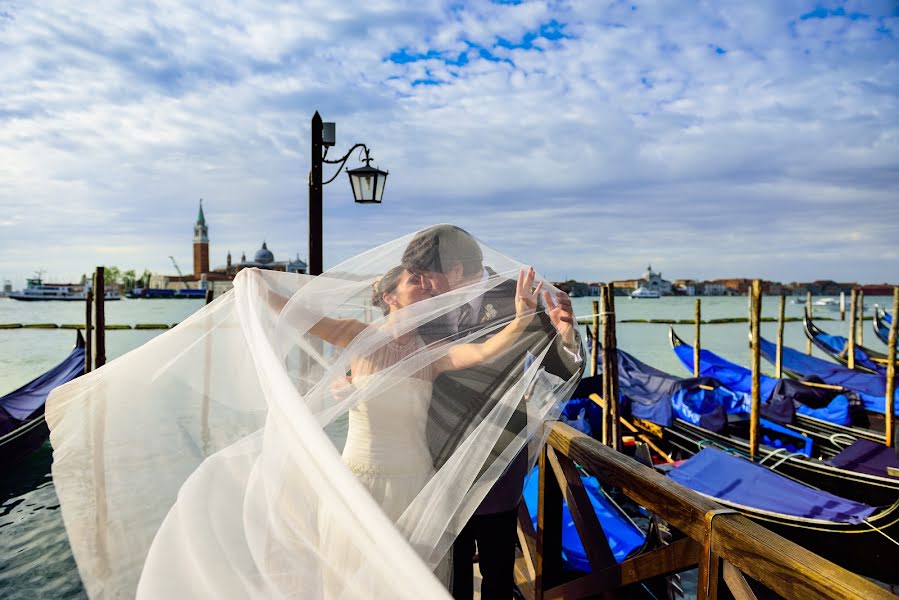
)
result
[(643, 293), (37, 290)]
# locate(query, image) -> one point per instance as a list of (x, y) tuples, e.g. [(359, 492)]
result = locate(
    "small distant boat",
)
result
[(882, 322), (642, 293), (37, 290), (22, 425), (160, 293), (827, 303), (837, 347)]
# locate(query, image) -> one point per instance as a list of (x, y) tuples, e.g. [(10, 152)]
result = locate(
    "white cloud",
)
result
[(725, 139)]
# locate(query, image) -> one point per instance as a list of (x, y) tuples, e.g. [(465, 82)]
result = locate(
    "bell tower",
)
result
[(201, 244)]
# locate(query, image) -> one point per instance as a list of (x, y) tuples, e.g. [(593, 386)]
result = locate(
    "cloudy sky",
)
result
[(589, 138)]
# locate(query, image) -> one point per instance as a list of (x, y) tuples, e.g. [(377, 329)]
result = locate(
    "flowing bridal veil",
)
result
[(242, 455)]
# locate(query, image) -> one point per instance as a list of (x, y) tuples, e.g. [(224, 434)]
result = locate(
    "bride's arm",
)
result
[(339, 332), (464, 356)]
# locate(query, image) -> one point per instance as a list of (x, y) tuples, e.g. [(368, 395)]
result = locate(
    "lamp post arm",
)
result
[(342, 161)]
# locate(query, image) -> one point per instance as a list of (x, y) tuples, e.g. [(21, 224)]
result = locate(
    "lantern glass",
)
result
[(368, 184)]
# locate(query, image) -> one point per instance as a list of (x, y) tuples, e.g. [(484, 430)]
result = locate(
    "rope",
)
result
[(841, 438), (773, 453), (785, 458), (880, 531)]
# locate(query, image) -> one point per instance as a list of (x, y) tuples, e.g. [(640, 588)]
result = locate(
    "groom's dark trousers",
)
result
[(495, 535)]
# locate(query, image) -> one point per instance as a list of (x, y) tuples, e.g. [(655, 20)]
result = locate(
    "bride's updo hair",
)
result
[(386, 284)]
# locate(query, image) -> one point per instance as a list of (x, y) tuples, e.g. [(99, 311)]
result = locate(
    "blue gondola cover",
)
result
[(623, 536), (721, 475)]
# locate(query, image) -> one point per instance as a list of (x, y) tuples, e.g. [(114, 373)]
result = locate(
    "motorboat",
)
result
[(644, 293)]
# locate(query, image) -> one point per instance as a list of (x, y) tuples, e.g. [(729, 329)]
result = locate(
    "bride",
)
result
[(221, 459)]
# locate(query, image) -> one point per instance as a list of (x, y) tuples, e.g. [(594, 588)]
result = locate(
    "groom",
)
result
[(448, 258)]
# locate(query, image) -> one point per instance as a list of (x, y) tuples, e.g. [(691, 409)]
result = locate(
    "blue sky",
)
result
[(754, 139)]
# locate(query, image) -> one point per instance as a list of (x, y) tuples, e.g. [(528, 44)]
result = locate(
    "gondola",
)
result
[(689, 439), (22, 426), (847, 541), (869, 387), (860, 538), (837, 347), (814, 402), (881, 322)]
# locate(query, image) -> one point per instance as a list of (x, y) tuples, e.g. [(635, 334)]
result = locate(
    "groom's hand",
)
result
[(561, 315)]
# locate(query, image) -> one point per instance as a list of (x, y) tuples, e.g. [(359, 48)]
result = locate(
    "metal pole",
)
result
[(890, 400), (315, 198)]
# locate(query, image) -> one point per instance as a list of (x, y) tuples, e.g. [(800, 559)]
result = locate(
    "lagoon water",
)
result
[(35, 560)]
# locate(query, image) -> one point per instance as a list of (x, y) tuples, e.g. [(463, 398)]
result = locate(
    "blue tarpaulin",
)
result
[(726, 477), (623, 536), (21, 403), (870, 387), (838, 345)]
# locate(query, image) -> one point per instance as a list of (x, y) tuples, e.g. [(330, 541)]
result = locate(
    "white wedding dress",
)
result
[(386, 446)]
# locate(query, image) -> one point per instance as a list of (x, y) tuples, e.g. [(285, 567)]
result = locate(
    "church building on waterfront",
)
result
[(204, 276)]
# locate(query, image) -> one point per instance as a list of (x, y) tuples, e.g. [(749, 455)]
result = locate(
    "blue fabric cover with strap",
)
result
[(25, 401), (623, 537), (870, 387), (838, 345), (721, 475)]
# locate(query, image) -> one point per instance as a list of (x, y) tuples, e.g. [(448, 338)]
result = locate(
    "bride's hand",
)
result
[(526, 295)]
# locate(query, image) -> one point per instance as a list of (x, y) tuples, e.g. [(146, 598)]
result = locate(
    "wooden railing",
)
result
[(723, 544)]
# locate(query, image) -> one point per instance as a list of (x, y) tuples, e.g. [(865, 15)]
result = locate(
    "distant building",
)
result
[(714, 289), (653, 281), (685, 287), (219, 279)]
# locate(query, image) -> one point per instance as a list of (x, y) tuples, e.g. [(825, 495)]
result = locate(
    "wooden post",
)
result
[(208, 296), (890, 412), (548, 562), (749, 314), (99, 318), (808, 311), (756, 391), (697, 343), (88, 331), (850, 345), (778, 364), (860, 335), (610, 369), (594, 346), (842, 306)]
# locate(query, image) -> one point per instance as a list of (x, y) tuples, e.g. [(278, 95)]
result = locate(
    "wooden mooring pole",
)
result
[(890, 412), (754, 317), (611, 423), (697, 342), (860, 336), (88, 331), (99, 318), (808, 311), (842, 306), (850, 345), (208, 296), (779, 359), (594, 344)]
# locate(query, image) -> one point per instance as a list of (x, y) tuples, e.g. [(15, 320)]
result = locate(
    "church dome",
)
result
[(264, 255)]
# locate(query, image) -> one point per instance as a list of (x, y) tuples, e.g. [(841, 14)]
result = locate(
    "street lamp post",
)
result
[(367, 182)]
